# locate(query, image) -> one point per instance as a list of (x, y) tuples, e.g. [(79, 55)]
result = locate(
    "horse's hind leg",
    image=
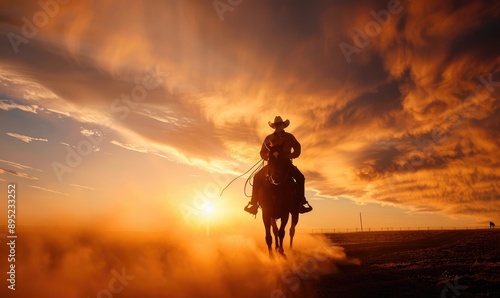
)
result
[(295, 220)]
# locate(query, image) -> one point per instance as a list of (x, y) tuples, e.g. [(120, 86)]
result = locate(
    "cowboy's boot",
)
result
[(305, 209), (252, 207)]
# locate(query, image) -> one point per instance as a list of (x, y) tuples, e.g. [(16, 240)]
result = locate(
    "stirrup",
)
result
[(252, 209), (305, 209)]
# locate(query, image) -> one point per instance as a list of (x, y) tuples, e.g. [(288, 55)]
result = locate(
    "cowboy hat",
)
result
[(277, 120)]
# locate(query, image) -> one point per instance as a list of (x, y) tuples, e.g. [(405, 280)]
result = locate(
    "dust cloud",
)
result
[(175, 263)]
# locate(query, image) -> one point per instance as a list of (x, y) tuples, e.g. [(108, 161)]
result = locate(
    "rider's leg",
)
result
[(300, 182), (257, 183), (258, 180)]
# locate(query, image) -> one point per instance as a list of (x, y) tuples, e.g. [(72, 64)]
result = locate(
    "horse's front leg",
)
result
[(267, 226), (281, 233), (275, 232), (295, 220)]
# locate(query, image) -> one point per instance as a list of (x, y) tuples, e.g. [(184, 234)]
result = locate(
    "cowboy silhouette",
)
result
[(288, 142)]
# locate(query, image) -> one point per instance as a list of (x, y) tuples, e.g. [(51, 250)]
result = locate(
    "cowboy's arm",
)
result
[(296, 148), (264, 153)]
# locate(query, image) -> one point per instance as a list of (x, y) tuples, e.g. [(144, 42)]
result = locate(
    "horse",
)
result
[(492, 225), (294, 220), (277, 197)]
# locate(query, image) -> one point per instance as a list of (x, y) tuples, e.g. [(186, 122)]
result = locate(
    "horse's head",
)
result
[(278, 164)]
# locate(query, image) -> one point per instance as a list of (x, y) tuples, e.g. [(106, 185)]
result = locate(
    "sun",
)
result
[(216, 213), (208, 209)]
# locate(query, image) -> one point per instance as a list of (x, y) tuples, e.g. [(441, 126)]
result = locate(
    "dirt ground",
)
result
[(74, 264), (462, 263)]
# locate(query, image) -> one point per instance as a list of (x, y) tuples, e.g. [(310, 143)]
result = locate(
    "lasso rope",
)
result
[(251, 175)]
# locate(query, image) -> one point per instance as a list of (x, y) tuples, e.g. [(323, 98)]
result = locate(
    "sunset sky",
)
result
[(137, 115)]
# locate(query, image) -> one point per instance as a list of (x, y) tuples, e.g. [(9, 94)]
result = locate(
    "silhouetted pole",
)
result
[(361, 222)]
